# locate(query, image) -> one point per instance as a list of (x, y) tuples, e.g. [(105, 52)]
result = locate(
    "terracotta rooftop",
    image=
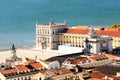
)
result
[(9, 71), (77, 31), (97, 57), (18, 68), (112, 56), (109, 33), (88, 59), (78, 60), (22, 68), (97, 74), (84, 30), (92, 58), (37, 65)]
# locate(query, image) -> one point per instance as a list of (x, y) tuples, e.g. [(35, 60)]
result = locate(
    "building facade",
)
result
[(47, 34), (50, 36)]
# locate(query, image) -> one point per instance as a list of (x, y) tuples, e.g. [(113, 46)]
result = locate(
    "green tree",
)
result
[(115, 26)]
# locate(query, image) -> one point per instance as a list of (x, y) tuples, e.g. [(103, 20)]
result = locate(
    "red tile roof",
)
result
[(116, 77), (36, 65), (77, 31), (18, 68), (79, 60), (84, 30), (97, 74), (109, 33), (113, 57), (22, 68), (96, 57), (9, 71)]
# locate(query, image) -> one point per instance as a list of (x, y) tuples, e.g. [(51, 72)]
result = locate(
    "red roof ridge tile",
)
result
[(22, 68), (37, 65), (85, 31), (8, 71)]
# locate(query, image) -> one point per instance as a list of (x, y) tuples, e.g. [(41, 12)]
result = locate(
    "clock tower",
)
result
[(97, 44)]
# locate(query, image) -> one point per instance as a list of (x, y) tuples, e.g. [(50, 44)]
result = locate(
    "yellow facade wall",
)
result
[(81, 40), (116, 43), (113, 43), (69, 39), (75, 39), (63, 38)]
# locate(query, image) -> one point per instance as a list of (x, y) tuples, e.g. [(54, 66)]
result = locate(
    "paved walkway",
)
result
[(30, 53)]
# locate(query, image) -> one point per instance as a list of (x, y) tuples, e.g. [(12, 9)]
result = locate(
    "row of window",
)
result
[(47, 32), (75, 39), (60, 39), (42, 31), (46, 39), (70, 39), (41, 39), (23, 78), (115, 43)]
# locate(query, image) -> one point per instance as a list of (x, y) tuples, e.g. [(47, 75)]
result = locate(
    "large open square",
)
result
[(29, 53)]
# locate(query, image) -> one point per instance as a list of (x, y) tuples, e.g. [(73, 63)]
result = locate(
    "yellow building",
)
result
[(75, 36)]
